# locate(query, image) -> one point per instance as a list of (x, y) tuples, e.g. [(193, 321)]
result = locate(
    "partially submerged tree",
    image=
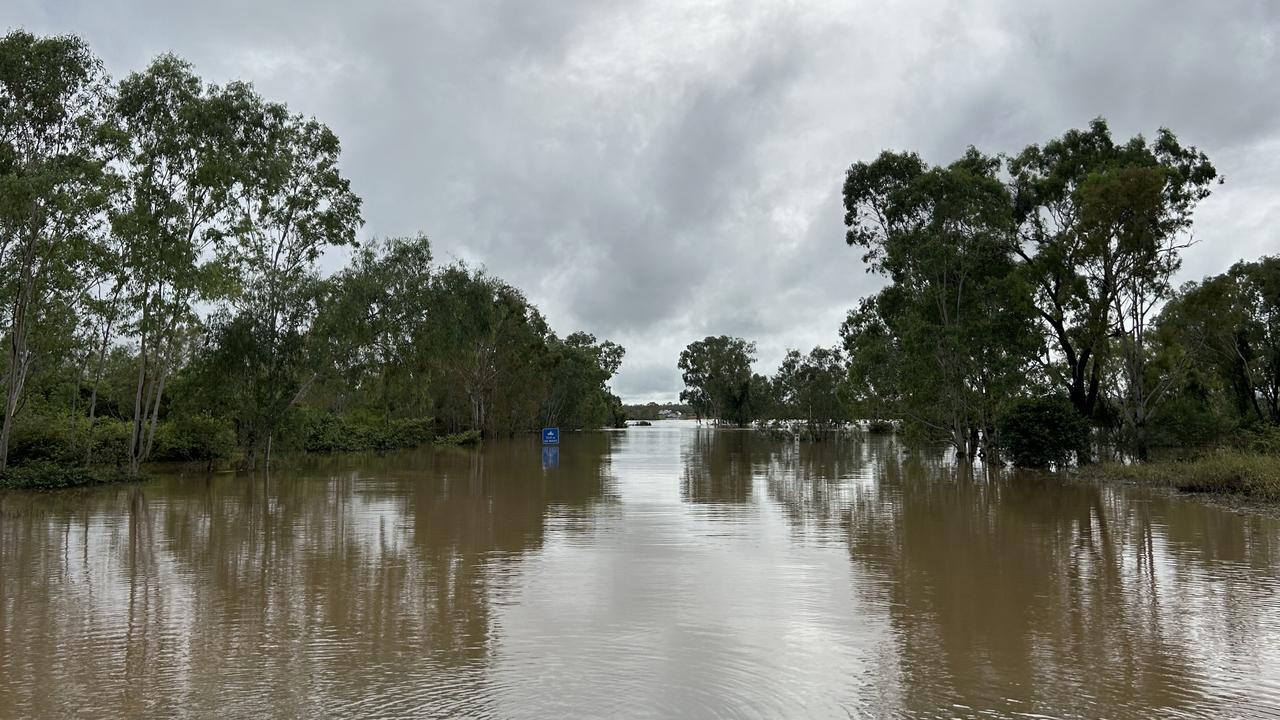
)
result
[(718, 379), (1100, 228), (182, 158), (53, 156), (951, 332), (811, 387), (290, 204)]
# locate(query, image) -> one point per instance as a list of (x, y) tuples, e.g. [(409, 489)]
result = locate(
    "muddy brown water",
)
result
[(662, 572)]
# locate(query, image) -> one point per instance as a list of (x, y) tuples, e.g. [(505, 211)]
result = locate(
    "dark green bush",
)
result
[(46, 475), (111, 439), (333, 433), (1188, 422), (39, 438), (194, 438), (1042, 431)]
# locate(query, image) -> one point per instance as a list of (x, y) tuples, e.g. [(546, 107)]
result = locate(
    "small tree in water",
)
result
[(1043, 431)]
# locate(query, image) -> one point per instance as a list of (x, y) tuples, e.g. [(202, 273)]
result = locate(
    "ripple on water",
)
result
[(665, 572)]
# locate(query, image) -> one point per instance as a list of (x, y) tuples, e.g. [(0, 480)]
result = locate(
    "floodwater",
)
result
[(663, 572)]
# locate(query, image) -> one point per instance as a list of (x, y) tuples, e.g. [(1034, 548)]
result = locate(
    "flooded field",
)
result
[(664, 571)]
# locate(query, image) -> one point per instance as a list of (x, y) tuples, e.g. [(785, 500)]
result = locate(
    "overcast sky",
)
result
[(655, 172)]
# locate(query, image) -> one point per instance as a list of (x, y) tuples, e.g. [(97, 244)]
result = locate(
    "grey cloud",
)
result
[(656, 172)]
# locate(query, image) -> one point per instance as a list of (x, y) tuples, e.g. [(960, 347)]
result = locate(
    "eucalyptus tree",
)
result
[(488, 346), (951, 331), (54, 147), (811, 387), (1100, 226), (718, 379), (289, 204), (581, 368), (181, 163), (375, 323), (1224, 336)]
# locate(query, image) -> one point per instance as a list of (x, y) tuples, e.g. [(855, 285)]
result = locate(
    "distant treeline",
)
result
[(657, 411), (1029, 306), (159, 240)]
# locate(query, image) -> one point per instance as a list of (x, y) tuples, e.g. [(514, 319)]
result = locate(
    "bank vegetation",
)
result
[(161, 250)]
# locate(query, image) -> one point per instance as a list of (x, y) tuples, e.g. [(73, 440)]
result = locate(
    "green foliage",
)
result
[(812, 387), (111, 442), (1042, 431), (333, 433), (467, 437), (54, 185), (718, 380), (61, 439), (47, 475), (952, 333), (194, 438), (1099, 225)]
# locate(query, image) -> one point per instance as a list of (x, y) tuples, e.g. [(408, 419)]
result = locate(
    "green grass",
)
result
[(1234, 472)]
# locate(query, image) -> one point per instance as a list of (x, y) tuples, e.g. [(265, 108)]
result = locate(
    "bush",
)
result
[(45, 475), (41, 438), (333, 433), (194, 438), (1188, 422), (1042, 431), (111, 438), (1264, 441), (466, 437)]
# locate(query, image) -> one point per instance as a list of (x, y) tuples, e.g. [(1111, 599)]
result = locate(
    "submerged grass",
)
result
[(1230, 472)]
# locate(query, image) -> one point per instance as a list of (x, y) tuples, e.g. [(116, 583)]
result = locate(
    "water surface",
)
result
[(662, 572)]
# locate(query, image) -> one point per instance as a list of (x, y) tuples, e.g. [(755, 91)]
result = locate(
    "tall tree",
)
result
[(181, 160), (53, 154), (490, 347), (580, 371), (718, 379), (811, 387), (1225, 334), (290, 204), (1101, 224), (953, 321)]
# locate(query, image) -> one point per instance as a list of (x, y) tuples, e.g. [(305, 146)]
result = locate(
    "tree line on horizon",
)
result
[(160, 240), (1030, 305)]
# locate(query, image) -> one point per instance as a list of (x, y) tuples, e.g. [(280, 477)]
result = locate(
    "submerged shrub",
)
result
[(46, 475), (333, 433), (194, 437), (1042, 431)]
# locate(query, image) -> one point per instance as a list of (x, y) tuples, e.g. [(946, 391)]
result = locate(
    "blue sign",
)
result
[(550, 457), (550, 436)]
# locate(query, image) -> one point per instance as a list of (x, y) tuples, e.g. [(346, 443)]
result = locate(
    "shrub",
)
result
[(45, 475), (194, 437), (1040, 431), (333, 433), (1187, 422), (466, 437), (111, 439), (42, 438)]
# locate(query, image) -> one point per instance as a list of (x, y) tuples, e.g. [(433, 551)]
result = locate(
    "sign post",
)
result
[(550, 448)]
